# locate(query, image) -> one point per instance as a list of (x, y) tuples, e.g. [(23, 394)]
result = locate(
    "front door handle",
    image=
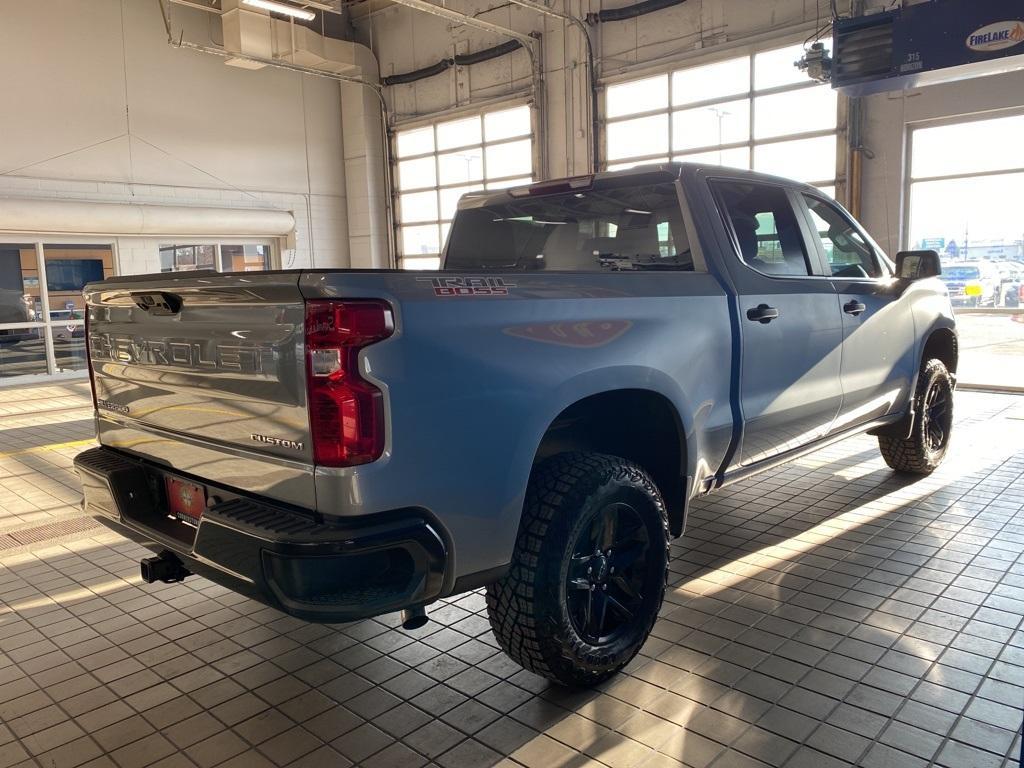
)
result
[(855, 307), (762, 313)]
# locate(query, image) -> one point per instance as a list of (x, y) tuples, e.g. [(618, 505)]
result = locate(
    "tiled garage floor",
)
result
[(825, 614)]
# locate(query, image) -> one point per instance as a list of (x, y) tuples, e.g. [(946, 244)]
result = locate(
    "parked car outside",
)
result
[(1011, 282), (972, 283)]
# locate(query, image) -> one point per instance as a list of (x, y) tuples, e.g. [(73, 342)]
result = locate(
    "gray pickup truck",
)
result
[(534, 418)]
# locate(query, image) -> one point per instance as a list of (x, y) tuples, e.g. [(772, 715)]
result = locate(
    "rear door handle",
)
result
[(762, 313), (855, 308)]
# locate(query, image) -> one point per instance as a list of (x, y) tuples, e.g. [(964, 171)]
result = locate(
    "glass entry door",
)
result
[(42, 311)]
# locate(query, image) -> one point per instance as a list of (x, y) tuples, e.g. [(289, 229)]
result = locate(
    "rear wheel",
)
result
[(924, 450), (588, 572)]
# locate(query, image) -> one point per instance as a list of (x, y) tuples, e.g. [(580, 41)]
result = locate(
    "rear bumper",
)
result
[(287, 558)]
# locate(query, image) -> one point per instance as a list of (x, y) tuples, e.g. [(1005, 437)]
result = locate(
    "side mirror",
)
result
[(917, 265)]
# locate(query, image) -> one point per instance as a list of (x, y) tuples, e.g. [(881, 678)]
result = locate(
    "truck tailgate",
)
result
[(201, 371)]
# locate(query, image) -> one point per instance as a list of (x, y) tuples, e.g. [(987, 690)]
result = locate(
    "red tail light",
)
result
[(346, 412)]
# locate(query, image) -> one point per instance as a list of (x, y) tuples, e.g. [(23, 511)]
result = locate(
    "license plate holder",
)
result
[(186, 501)]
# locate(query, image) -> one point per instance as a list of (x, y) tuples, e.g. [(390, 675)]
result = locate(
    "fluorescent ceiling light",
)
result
[(287, 10)]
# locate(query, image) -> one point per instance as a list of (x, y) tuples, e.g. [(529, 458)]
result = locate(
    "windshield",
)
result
[(625, 227), (960, 273)]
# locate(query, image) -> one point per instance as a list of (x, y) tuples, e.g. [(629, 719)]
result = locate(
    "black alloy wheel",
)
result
[(607, 572)]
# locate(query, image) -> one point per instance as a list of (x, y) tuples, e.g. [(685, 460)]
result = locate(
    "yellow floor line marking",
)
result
[(50, 447)]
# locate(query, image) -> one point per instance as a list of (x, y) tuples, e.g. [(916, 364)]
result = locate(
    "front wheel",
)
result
[(588, 573), (924, 450)]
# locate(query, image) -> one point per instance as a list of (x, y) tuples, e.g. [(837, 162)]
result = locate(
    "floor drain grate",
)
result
[(13, 539)]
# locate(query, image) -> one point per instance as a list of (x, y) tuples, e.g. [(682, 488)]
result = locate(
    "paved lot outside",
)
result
[(991, 350), (824, 614)]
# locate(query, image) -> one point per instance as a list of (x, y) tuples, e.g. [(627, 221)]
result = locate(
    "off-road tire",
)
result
[(528, 608), (915, 454)]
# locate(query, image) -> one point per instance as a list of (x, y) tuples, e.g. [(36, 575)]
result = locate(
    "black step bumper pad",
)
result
[(326, 571)]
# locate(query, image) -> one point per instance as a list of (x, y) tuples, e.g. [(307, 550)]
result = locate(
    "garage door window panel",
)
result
[(509, 159), (438, 163), (980, 146), (418, 206), (646, 95), (459, 133), (729, 113), (506, 124), (711, 126), (711, 82), (793, 112), (421, 240), (802, 160), (649, 133), (414, 142)]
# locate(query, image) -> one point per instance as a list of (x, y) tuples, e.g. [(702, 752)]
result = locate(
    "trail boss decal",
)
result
[(468, 286)]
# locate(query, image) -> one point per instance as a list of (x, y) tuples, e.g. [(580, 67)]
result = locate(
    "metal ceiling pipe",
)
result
[(197, 6), (595, 139), (529, 45), (528, 41)]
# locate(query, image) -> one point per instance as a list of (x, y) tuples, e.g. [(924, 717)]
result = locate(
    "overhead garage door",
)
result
[(966, 177)]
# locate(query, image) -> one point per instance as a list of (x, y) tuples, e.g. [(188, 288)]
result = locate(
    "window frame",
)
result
[(909, 180), (47, 324), (816, 270), (751, 94), (216, 244), (432, 122), (698, 264)]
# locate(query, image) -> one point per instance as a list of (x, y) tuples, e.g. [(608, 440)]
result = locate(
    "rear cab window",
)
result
[(616, 225)]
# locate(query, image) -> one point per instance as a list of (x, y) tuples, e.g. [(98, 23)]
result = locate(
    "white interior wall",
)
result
[(97, 106)]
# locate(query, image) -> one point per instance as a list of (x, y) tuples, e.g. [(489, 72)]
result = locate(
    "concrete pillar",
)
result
[(365, 180)]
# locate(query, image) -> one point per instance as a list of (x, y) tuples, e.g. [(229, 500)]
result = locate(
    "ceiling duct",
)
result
[(251, 33)]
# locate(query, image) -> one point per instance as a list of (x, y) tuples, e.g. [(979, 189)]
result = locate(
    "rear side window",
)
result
[(848, 253), (619, 227), (765, 227)]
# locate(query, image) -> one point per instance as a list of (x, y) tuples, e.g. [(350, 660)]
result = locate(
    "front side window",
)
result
[(765, 227), (620, 227), (846, 250)]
